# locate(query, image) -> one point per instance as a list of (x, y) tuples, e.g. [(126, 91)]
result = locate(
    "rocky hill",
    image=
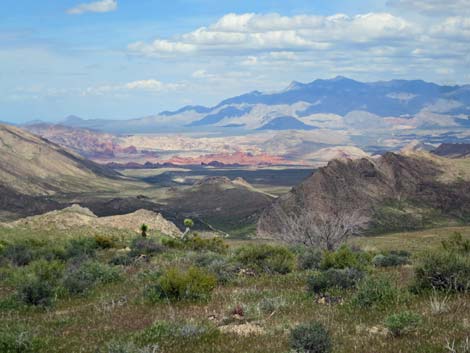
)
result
[(80, 217), (394, 192)]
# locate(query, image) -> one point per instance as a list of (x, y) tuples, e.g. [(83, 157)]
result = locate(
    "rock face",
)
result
[(402, 183), (76, 216)]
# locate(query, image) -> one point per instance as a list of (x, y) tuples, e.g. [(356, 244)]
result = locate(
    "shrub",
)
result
[(83, 276), (38, 282), (145, 246), (18, 254), (333, 278), (456, 243), (36, 292), (121, 260), (443, 270), (310, 338), (174, 284), (81, 247), (17, 340), (197, 243), (266, 258), (104, 242), (376, 292), (223, 269), (343, 258), (310, 259), (402, 323), (390, 260)]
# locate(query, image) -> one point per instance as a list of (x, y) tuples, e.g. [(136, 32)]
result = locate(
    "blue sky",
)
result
[(121, 59)]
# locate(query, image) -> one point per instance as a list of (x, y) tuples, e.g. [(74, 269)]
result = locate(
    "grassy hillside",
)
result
[(252, 308)]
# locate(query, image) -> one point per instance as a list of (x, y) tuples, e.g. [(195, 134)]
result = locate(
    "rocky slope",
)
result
[(393, 191), (76, 216), (453, 150)]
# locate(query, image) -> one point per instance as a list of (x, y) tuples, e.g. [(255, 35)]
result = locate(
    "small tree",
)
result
[(188, 223), (144, 229), (326, 230)]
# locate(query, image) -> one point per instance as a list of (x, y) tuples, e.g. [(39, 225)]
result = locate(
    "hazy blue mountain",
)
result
[(229, 112), (286, 123), (275, 111)]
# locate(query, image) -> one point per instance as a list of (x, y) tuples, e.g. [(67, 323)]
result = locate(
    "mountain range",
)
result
[(338, 103)]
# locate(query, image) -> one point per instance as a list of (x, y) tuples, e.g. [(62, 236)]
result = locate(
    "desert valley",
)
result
[(325, 216)]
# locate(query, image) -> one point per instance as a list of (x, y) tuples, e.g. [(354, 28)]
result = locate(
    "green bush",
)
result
[(443, 270), (145, 246), (266, 258), (175, 284), (223, 269), (345, 257), (309, 259), (196, 243), (319, 282), (35, 292), (121, 260), (391, 259), (81, 247), (402, 323), (18, 254), (310, 338), (81, 277), (18, 340), (376, 292), (38, 282)]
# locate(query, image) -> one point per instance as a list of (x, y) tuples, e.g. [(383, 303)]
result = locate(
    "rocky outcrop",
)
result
[(368, 184)]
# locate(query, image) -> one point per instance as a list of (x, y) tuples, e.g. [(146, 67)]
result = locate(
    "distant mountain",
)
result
[(453, 150), (420, 103), (394, 192)]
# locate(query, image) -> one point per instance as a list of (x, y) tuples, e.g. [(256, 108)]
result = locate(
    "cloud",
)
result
[(272, 32), (453, 28), (434, 7), (151, 85), (98, 6)]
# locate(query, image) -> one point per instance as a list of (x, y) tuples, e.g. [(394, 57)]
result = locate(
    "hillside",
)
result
[(394, 192), (37, 175), (453, 150), (74, 217)]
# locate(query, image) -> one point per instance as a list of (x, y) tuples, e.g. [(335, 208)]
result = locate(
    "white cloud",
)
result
[(151, 85), (457, 28), (434, 7), (98, 6), (273, 32)]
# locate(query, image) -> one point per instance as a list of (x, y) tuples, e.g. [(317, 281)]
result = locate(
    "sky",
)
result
[(122, 59)]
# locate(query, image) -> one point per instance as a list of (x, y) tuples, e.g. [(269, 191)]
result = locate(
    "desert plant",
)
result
[(326, 230), (175, 284), (402, 323), (145, 246), (18, 254), (309, 259), (81, 247), (345, 257), (462, 347), (319, 282), (80, 278), (18, 340), (197, 243), (376, 291), (443, 270), (189, 224), (457, 243), (144, 229), (390, 260), (439, 304), (310, 338), (104, 242), (266, 258)]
